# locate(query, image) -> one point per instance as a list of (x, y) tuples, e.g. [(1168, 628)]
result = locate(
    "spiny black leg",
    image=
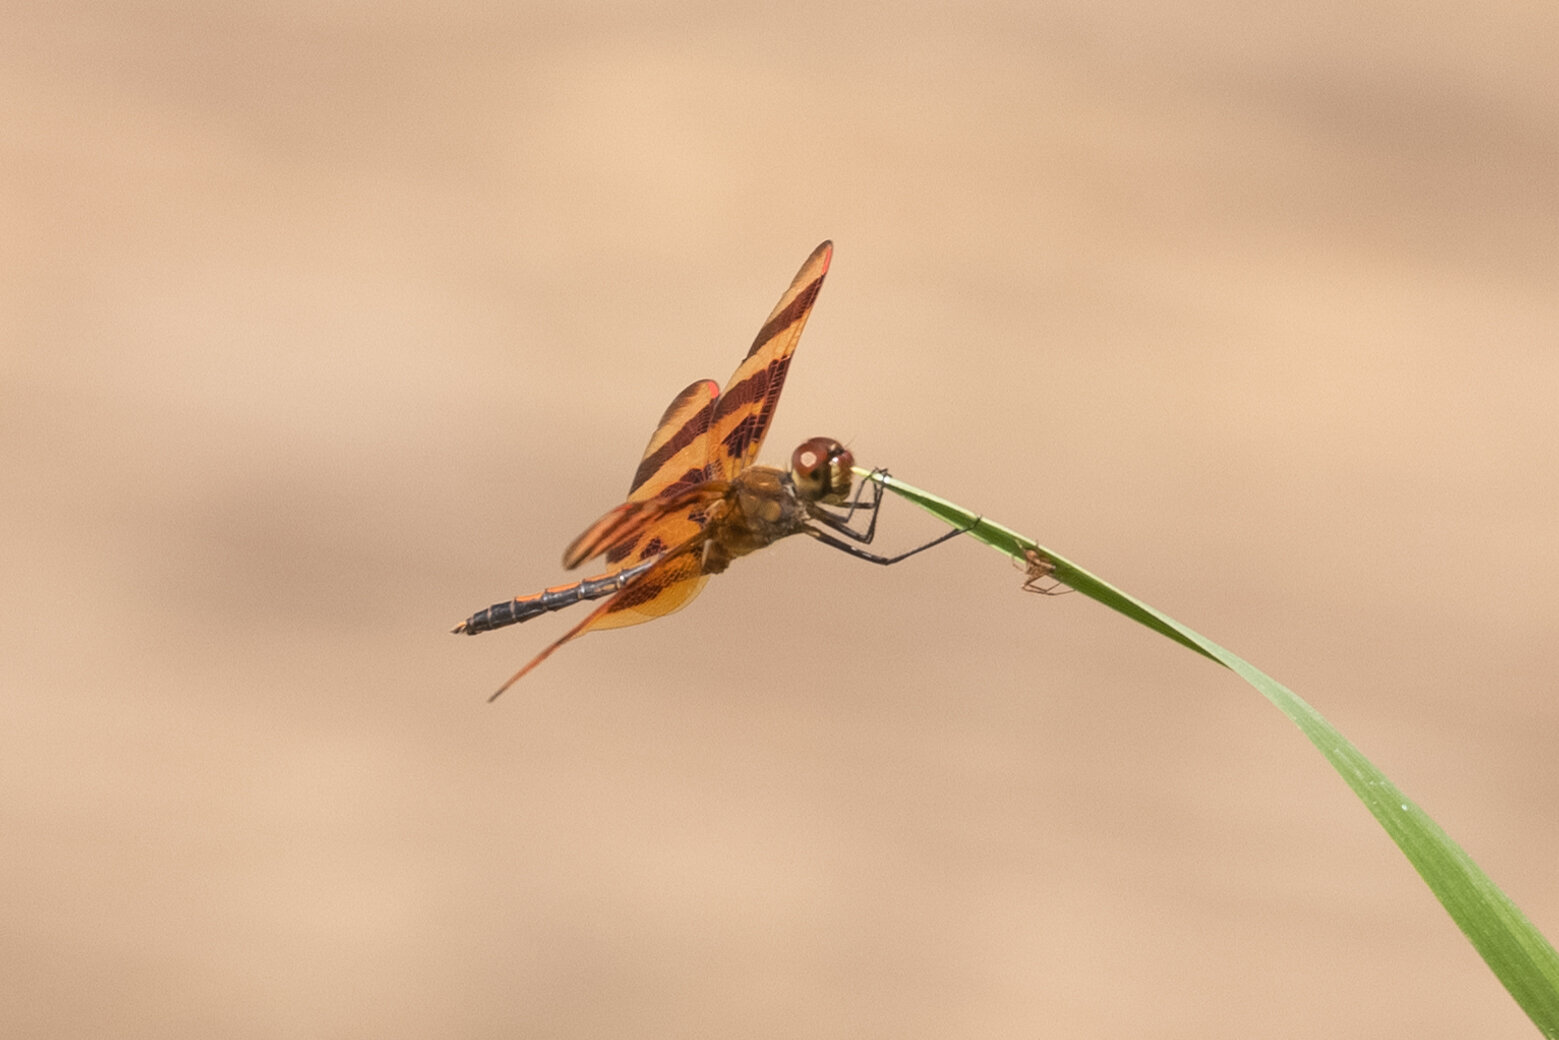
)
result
[(860, 489), (842, 523), (862, 554), (837, 523)]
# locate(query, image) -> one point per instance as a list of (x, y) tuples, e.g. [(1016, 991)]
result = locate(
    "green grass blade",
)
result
[(1518, 954)]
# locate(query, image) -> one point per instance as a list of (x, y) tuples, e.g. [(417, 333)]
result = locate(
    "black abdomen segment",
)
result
[(523, 608)]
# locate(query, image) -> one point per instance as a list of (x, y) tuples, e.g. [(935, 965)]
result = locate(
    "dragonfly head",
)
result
[(820, 469)]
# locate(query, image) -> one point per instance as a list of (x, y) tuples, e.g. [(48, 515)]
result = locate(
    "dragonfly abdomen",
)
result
[(523, 608)]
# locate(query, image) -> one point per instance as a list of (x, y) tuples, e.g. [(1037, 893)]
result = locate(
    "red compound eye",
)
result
[(821, 470)]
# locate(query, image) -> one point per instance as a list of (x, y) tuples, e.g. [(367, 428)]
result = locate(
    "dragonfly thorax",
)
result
[(761, 507)]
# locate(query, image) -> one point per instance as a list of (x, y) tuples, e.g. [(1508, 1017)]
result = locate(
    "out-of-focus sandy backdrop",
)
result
[(324, 326)]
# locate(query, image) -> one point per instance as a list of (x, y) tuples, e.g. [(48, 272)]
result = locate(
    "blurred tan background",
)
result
[(324, 326)]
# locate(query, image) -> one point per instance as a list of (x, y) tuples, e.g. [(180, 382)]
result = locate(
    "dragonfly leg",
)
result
[(860, 489), (841, 524), (863, 554)]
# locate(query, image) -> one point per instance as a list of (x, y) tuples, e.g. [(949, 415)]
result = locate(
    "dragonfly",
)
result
[(697, 501)]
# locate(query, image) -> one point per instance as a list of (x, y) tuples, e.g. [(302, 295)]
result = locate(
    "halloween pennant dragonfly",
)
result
[(697, 502)]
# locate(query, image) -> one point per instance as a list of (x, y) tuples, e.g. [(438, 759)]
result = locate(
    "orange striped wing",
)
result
[(668, 502), (667, 507), (665, 587), (674, 461), (703, 439), (677, 452), (746, 407)]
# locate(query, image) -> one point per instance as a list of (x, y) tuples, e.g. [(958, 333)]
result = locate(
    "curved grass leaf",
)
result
[(1518, 954)]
